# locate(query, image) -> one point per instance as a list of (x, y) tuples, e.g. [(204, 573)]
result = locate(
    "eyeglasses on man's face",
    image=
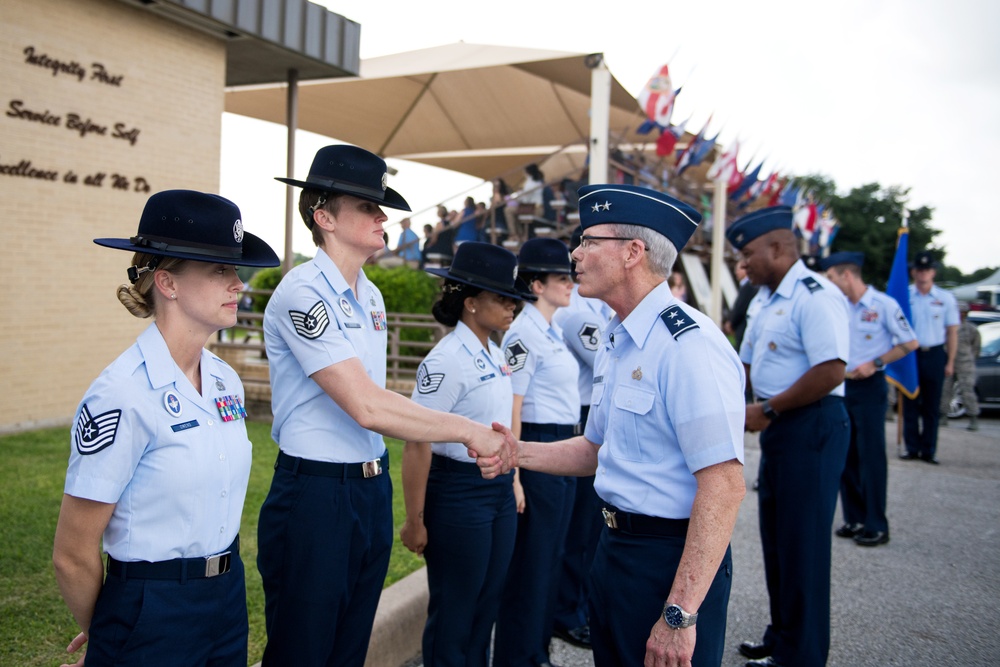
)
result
[(587, 241)]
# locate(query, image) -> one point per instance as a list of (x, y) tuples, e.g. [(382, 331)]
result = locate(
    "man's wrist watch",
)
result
[(677, 618), (879, 364), (768, 411)]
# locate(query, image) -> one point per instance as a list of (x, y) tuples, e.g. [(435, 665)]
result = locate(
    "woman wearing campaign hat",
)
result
[(160, 459), (463, 524), (325, 530), (546, 408)]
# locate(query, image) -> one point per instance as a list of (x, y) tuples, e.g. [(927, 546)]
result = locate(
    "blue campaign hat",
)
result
[(350, 170), (198, 226), (843, 257), (487, 267), (541, 255), (924, 260), (758, 223), (632, 205)]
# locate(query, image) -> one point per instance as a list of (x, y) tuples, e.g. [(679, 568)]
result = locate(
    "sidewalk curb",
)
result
[(399, 622)]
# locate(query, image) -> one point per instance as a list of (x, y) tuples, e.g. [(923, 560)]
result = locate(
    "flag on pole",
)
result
[(747, 182), (686, 157), (657, 97), (669, 137), (903, 372), (725, 165)]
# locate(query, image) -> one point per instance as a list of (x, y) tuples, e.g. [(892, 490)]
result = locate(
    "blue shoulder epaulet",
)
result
[(811, 283), (677, 321)]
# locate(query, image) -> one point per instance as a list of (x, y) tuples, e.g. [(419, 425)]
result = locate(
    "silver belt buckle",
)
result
[(371, 468), (217, 564), (609, 518)]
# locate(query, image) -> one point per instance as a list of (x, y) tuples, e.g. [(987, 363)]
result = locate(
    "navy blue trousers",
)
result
[(585, 524), (630, 580), (324, 546), (864, 482), (527, 605), (471, 524), (802, 459), (201, 622), (921, 415)]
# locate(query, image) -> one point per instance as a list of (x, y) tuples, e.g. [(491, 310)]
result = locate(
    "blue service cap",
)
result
[(758, 223), (843, 257), (603, 204)]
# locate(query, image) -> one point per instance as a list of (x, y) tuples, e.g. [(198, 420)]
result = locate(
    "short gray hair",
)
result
[(661, 251)]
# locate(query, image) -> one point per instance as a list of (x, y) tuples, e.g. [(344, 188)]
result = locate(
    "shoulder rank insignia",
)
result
[(311, 325), (590, 336), (677, 321), (428, 383), (95, 432), (516, 354), (811, 283)]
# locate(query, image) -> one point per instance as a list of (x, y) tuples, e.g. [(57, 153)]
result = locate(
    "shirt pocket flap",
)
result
[(634, 400)]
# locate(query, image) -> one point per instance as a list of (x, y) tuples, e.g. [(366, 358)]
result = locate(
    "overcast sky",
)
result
[(899, 92)]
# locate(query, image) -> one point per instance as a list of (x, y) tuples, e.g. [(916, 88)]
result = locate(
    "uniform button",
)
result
[(222, 457), (222, 529), (210, 422), (223, 493), (628, 403)]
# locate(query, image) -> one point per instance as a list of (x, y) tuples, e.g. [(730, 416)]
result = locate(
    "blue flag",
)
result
[(903, 372)]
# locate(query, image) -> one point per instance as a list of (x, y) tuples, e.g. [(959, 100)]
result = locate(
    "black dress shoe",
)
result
[(908, 457), (930, 459), (872, 538), (579, 637), (763, 662), (755, 650), (849, 530)]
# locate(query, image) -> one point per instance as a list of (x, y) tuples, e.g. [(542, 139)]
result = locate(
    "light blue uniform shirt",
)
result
[(173, 464), (544, 370), (460, 377), (932, 314), (801, 325), (877, 325), (668, 401), (311, 322), (583, 323)]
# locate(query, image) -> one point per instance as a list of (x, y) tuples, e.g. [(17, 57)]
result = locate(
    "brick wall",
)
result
[(60, 322)]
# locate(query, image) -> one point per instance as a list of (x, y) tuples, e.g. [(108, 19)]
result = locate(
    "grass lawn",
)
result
[(36, 626)]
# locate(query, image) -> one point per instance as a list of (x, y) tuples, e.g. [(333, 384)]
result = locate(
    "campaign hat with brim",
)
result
[(349, 170), (924, 260), (486, 266), (843, 257), (544, 255), (198, 226)]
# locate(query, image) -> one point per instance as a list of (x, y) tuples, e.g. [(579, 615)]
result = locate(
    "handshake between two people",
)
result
[(495, 452)]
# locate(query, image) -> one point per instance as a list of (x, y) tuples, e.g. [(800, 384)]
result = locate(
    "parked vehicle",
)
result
[(987, 370)]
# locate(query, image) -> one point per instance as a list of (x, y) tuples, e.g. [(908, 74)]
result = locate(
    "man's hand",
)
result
[(667, 647), (755, 418), (75, 646), (504, 459), (413, 534)]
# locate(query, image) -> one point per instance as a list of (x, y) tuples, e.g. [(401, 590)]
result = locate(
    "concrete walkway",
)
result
[(929, 597)]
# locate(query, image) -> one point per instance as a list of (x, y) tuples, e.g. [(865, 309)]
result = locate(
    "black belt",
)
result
[(180, 569), (874, 376), (558, 430), (640, 524), (300, 466), (451, 465), (930, 348), (825, 401)]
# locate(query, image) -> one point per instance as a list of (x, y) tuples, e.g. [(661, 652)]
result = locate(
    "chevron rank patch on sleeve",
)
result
[(311, 325), (589, 336), (94, 433), (677, 321), (516, 355), (428, 383)]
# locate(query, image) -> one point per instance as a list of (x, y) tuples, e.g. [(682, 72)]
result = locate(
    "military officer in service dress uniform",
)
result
[(664, 435), (880, 335), (796, 349), (463, 524), (935, 321), (546, 407), (325, 528), (160, 458)]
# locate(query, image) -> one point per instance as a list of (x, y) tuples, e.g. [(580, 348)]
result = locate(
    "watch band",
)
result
[(769, 412), (879, 364)]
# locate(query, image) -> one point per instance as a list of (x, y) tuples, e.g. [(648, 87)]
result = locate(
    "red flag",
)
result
[(657, 98)]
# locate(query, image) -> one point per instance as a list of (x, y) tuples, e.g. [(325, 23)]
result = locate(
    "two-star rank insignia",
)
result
[(678, 322), (95, 432), (312, 324), (590, 336), (428, 383), (516, 355)]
